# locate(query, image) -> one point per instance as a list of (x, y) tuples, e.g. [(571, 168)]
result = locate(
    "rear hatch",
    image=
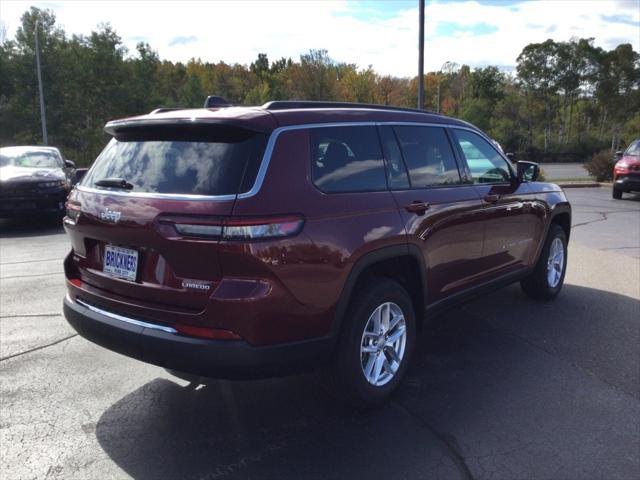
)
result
[(130, 219)]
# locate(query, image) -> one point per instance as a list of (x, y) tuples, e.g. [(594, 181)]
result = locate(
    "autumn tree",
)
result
[(565, 100)]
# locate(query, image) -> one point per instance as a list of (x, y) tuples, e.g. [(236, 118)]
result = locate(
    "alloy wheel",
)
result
[(555, 262), (383, 344)]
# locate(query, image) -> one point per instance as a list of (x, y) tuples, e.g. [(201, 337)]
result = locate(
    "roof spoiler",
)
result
[(117, 127)]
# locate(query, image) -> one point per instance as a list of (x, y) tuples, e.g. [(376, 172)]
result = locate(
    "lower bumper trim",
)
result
[(132, 321)]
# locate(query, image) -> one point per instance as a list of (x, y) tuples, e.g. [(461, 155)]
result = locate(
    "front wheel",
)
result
[(547, 277), (376, 344), (616, 193)]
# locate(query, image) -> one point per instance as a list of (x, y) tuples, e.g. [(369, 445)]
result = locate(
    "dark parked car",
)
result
[(256, 241), (626, 172), (34, 180)]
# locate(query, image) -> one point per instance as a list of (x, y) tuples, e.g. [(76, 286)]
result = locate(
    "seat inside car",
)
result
[(336, 157)]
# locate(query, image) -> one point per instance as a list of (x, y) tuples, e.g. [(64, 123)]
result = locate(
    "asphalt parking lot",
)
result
[(564, 171), (501, 388)]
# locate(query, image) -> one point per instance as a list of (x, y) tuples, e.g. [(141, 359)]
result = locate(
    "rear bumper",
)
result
[(194, 356)]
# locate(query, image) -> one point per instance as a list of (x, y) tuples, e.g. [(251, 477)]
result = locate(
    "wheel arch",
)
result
[(560, 215), (403, 263), (562, 218)]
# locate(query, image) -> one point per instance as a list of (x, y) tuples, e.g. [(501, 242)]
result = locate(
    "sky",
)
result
[(383, 34)]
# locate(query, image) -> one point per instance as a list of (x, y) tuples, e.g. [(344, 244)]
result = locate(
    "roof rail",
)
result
[(295, 104), (214, 101)]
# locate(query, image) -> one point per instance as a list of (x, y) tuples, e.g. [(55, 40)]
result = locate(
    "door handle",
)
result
[(491, 197), (417, 206)]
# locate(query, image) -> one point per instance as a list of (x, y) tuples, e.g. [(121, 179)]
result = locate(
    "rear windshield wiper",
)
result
[(114, 182)]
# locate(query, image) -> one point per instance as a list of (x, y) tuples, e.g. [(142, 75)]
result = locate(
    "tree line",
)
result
[(563, 102)]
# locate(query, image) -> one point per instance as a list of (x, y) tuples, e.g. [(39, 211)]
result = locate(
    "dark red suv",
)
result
[(241, 242)]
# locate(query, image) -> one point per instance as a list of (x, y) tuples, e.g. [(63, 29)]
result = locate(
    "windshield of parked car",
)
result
[(634, 149), (29, 158)]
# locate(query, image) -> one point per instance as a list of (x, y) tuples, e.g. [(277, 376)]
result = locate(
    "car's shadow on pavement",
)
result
[(631, 196), (283, 428), (30, 227), (485, 393)]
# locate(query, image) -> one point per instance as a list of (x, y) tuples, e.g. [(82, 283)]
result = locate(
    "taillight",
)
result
[(244, 228), (252, 229), (195, 230)]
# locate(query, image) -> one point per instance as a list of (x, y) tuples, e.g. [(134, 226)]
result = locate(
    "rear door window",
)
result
[(428, 156), (197, 161), (347, 159)]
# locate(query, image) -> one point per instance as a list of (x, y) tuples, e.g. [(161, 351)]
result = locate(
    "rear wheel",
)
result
[(616, 193), (548, 275), (375, 346)]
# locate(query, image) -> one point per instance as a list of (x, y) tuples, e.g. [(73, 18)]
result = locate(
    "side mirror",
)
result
[(528, 171), (69, 164), (619, 154), (78, 174), (510, 156)]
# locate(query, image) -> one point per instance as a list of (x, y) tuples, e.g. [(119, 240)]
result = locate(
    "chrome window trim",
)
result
[(132, 321), (266, 159)]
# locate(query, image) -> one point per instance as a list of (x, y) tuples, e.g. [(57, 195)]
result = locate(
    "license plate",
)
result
[(120, 262)]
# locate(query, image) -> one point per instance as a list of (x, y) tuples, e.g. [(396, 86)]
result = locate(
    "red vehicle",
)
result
[(241, 242), (626, 172)]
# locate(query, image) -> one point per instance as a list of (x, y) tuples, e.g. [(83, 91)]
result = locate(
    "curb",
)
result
[(583, 184)]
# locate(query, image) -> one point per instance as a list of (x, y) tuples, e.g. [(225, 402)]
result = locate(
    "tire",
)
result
[(344, 377), (545, 282), (616, 193)]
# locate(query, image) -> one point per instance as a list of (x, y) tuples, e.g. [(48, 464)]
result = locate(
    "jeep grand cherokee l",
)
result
[(240, 242)]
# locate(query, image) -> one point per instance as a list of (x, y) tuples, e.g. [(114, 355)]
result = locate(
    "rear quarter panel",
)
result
[(339, 229)]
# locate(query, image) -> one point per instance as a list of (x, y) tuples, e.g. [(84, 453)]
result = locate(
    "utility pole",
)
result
[(421, 56), (43, 120)]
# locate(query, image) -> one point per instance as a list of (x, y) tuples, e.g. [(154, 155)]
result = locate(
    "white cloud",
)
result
[(238, 31)]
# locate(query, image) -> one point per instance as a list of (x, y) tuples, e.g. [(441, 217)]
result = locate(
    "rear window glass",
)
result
[(347, 159), (211, 161)]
